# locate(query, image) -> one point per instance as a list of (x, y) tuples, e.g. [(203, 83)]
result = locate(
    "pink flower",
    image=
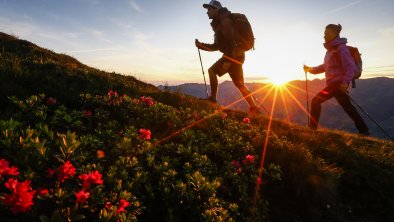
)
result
[(145, 134), (122, 204), (6, 170), (82, 196), (65, 171), (246, 120), (239, 171), (51, 101), (112, 93), (21, 197), (249, 159), (147, 100), (224, 115), (87, 113), (235, 164)]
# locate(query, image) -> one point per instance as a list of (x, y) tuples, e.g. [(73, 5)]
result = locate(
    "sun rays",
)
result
[(268, 94)]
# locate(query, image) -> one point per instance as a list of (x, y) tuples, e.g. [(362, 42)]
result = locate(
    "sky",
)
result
[(153, 40)]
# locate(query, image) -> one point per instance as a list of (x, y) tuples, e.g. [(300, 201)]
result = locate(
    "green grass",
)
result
[(178, 174)]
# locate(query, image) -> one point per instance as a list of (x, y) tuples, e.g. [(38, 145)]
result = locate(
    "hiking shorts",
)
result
[(234, 70)]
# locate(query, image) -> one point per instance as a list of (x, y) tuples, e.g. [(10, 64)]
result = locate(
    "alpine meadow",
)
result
[(81, 144)]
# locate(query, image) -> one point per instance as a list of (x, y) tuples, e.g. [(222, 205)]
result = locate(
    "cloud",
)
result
[(333, 11), (136, 7)]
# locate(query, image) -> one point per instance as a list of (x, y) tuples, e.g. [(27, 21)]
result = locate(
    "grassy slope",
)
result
[(349, 176)]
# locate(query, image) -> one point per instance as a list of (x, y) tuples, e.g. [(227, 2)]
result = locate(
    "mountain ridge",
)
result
[(371, 94)]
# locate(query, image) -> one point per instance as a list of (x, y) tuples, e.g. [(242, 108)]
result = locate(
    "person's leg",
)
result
[(344, 100), (320, 98), (236, 74), (213, 80), (215, 70)]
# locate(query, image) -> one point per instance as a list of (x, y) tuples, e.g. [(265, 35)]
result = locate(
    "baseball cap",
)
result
[(213, 3)]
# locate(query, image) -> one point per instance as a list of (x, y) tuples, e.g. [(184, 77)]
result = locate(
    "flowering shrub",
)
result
[(119, 158)]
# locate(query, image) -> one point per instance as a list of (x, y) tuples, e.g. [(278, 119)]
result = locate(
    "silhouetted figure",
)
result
[(233, 56), (339, 67)]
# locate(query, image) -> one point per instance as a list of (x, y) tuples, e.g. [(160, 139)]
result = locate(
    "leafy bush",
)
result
[(121, 158)]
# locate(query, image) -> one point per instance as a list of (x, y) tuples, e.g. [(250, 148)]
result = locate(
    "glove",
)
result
[(343, 87)]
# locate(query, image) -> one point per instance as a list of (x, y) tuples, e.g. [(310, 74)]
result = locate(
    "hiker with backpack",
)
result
[(233, 44), (340, 69)]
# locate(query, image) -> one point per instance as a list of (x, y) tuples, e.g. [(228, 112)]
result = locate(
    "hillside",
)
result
[(80, 144), (371, 94), (28, 69)]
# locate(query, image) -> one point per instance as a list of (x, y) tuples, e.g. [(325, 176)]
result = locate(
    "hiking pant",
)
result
[(343, 100), (236, 73)]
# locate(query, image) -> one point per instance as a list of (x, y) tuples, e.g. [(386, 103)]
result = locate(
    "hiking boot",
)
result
[(210, 99), (254, 110)]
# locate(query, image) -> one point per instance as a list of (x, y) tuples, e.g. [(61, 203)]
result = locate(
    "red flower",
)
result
[(85, 181), (87, 113), (122, 204), (51, 101), (145, 134), (100, 154), (82, 196), (91, 178), (147, 100), (95, 177), (50, 172), (249, 159), (6, 170), (42, 192), (259, 181), (21, 197), (108, 205), (246, 120), (65, 171)]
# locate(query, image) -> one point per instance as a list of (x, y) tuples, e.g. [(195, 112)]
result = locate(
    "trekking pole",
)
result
[(307, 97), (203, 73), (261, 105), (376, 122)]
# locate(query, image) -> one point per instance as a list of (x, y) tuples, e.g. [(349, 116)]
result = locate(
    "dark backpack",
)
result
[(243, 31), (356, 55)]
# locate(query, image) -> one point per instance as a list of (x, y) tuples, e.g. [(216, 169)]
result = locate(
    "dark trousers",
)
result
[(343, 100)]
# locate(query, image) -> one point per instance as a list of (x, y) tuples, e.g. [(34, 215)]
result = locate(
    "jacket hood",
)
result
[(334, 43)]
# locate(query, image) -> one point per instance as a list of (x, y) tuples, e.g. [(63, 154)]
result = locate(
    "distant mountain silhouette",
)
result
[(374, 95)]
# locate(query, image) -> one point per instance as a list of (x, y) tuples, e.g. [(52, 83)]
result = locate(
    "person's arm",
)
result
[(318, 69), (206, 46), (314, 70), (347, 63)]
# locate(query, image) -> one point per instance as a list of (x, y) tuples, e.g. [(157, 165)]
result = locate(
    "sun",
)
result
[(278, 80)]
